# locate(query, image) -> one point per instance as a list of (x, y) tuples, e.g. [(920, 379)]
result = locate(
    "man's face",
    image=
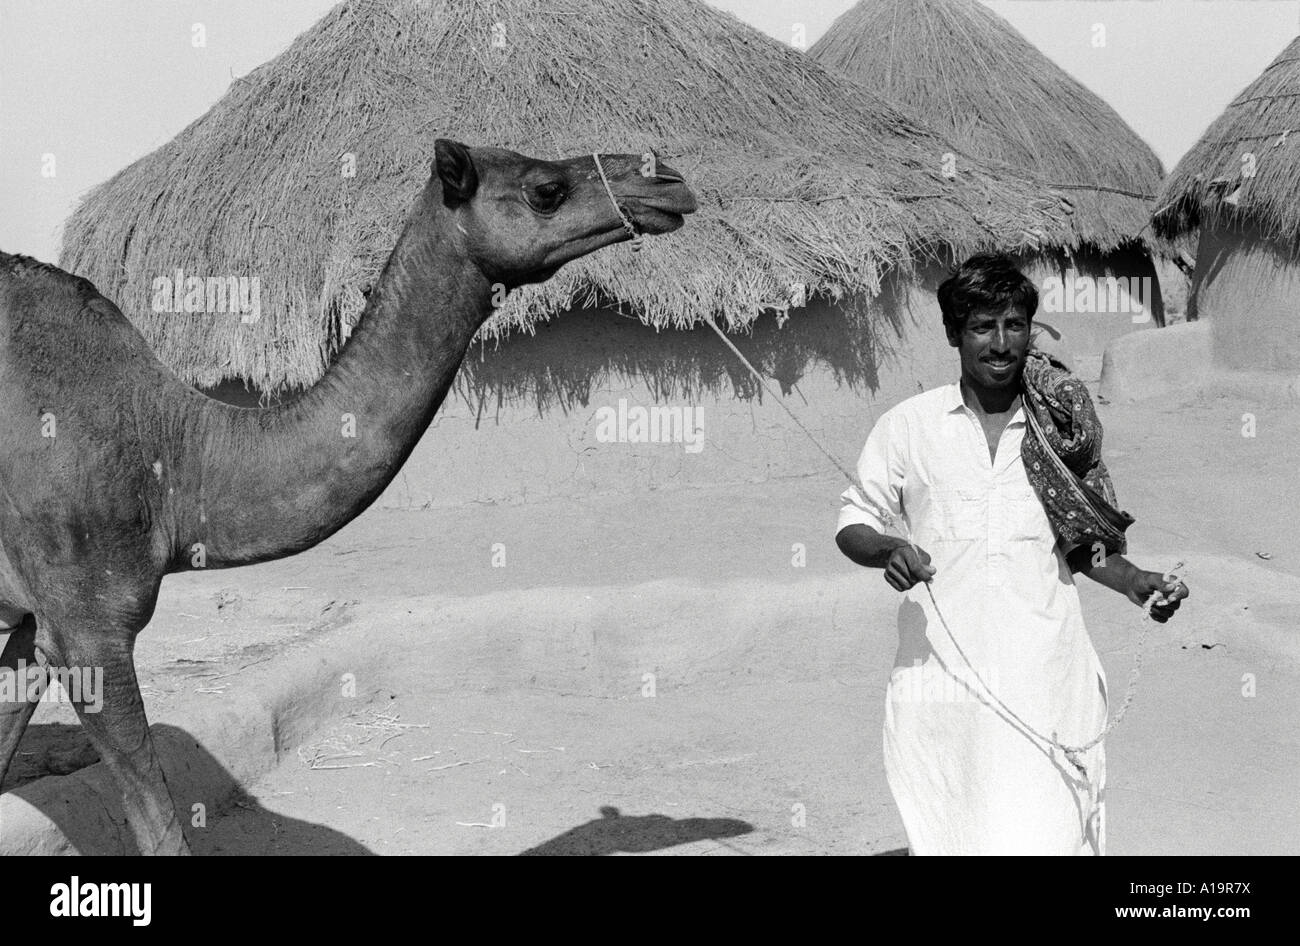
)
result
[(993, 346)]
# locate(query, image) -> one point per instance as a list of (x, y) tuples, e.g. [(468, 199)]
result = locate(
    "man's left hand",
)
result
[(1170, 594)]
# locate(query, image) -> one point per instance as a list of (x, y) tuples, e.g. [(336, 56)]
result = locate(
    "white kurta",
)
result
[(965, 779)]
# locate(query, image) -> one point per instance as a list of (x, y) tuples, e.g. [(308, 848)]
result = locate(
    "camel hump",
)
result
[(17, 267), (23, 275)]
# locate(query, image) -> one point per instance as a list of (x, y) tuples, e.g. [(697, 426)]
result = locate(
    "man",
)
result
[(995, 674)]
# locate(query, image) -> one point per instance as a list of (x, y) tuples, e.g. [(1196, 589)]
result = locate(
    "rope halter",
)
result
[(628, 225)]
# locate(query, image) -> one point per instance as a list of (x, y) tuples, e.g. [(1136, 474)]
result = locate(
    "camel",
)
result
[(115, 473)]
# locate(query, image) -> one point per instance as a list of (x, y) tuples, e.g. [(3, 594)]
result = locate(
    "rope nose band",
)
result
[(628, 225)]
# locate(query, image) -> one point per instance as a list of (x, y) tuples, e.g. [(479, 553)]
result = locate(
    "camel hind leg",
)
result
[(15, 708), (114, 719)]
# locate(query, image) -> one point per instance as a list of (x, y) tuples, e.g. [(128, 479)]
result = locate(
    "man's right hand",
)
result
[(903, 563), (905, 568)]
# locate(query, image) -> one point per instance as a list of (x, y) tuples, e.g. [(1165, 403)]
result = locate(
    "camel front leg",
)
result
[(118, 729), (17, 702)]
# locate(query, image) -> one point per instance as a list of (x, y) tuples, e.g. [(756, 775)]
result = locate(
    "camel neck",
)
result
[(278, 480)]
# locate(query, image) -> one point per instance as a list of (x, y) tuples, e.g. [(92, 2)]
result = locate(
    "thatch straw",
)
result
[(974, 78), (1246, 167), (773, 144)]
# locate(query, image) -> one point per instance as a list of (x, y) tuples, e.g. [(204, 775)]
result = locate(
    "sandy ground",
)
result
[(747, 761), (731, 769), (764, 741)]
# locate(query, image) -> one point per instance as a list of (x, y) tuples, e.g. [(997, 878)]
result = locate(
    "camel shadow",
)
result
[(56, 772), (614, 832), (49, 749)]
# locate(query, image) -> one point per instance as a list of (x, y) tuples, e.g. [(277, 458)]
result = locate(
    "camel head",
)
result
[(523, 218)]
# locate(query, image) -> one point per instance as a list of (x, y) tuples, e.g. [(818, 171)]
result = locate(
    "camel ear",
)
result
[(455, 168)]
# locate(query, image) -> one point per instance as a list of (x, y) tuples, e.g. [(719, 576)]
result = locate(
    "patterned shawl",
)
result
[(1062, 456)]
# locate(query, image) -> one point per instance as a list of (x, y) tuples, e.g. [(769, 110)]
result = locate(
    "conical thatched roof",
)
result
[(974, 78), (802, 178), (1246, 167)]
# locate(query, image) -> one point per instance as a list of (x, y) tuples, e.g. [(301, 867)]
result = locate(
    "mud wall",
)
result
[(1088, 299), (556, 414), (1248, 288), (596, 402)]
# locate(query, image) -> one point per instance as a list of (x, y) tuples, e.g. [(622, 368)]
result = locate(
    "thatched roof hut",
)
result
[(969, 74), (302, 173), (1244, 168), (1238, 190)]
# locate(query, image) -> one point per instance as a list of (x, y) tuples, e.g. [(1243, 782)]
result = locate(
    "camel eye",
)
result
[(545, 198)]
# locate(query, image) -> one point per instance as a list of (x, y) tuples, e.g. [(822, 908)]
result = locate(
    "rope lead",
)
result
[(1072, 754)]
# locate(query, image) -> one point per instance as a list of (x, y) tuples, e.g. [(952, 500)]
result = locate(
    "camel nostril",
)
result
[(669, 178)]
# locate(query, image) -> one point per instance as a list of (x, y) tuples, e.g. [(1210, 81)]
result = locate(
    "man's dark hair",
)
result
[(987, 282)]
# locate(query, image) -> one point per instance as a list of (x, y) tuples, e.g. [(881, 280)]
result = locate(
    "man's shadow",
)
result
[(613, 832), (56, 772)]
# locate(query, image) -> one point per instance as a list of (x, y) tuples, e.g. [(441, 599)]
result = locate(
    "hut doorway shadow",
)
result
[(1130, 264)]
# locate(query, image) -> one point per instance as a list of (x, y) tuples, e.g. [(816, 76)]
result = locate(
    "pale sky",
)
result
[(100, 83)]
